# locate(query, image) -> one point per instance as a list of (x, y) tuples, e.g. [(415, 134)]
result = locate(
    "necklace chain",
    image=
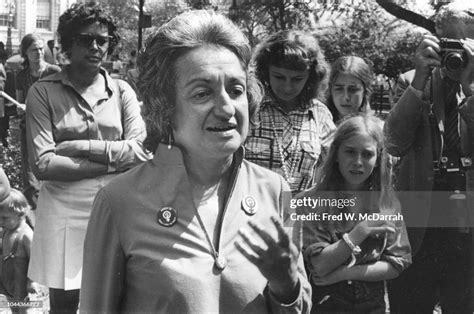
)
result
[(287, 171), (218, 262), (215, 252)]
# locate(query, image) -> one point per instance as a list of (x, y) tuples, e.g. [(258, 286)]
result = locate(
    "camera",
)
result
[(452, 53), (451, 164), (451, 171)]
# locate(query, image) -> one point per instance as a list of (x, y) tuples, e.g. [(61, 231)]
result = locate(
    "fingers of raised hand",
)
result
[(250, 243), (262, 248), (247, 253), (259, 230), (253, 246), (283, 237)]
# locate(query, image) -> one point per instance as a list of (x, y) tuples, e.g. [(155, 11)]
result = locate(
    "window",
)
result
[(4, 20), (8, 10), (43, 14), (43, 22)]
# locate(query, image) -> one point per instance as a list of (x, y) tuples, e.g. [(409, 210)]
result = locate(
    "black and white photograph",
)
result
[(237, 156)]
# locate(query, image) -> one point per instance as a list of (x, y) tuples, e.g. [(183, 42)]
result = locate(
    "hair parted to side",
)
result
[(294, 50), (157, 65), (357, 67), (330, 177), (80, 15), (26, 42), (18, 203)]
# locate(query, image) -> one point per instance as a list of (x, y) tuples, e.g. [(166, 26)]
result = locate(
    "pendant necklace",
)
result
[(219, 261), (287, 170)]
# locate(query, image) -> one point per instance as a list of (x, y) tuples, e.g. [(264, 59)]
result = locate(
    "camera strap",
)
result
[(436, 127)]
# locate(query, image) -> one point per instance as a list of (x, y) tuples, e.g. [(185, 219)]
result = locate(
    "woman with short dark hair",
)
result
[(84, 128), (198, 229)]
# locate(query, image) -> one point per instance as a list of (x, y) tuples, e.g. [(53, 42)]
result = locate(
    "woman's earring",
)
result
[(170, 137), (170, 140)]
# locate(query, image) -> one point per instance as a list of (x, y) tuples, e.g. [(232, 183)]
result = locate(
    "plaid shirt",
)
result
[(314, 127)]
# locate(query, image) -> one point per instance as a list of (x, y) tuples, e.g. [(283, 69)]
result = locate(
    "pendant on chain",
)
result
[(220, 262)]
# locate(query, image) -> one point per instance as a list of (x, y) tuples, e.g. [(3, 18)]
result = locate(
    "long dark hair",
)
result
[(330, 178), (358, 68), (26, 42), (294, 50)]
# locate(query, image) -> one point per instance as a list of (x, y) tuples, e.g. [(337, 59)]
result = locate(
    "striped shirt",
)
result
[(303, 136)]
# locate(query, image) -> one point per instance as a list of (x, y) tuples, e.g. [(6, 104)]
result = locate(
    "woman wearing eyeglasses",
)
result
[(83, 129)]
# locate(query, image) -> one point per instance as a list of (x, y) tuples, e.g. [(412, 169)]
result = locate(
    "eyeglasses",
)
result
[(86, 39)]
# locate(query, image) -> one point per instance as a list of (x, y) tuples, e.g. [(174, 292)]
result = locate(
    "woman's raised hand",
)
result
[(275, 258)]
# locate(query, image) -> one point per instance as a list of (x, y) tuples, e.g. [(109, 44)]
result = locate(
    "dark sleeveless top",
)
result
[(14, 273)]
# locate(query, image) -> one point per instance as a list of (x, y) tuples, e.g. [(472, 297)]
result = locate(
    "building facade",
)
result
[(20, 17)]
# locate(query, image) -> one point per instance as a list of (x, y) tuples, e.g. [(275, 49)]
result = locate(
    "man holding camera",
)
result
[(431, 128)]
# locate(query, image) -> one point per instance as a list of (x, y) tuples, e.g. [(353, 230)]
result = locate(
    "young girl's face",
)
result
[(347, 94), (287, 84), (9, 220), (356, 158)]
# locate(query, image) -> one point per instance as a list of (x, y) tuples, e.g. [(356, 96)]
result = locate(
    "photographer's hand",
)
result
[(467, 74), (426, 57)]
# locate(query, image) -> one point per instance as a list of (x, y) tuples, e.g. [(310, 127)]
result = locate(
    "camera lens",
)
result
[(453, 61)]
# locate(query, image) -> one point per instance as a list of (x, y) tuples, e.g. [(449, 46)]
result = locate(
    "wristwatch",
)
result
[(354, 248)]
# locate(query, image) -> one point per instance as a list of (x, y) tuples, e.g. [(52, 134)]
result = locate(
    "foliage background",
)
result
[(363, 29), (10, 158)]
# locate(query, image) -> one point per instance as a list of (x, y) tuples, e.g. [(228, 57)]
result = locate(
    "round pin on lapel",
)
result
[(167, 216), (249, 205)]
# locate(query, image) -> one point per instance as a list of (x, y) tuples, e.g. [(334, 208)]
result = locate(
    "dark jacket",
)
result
[(413, 131)]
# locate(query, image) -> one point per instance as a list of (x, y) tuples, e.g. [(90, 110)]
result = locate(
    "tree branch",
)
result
[(407, 15)]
